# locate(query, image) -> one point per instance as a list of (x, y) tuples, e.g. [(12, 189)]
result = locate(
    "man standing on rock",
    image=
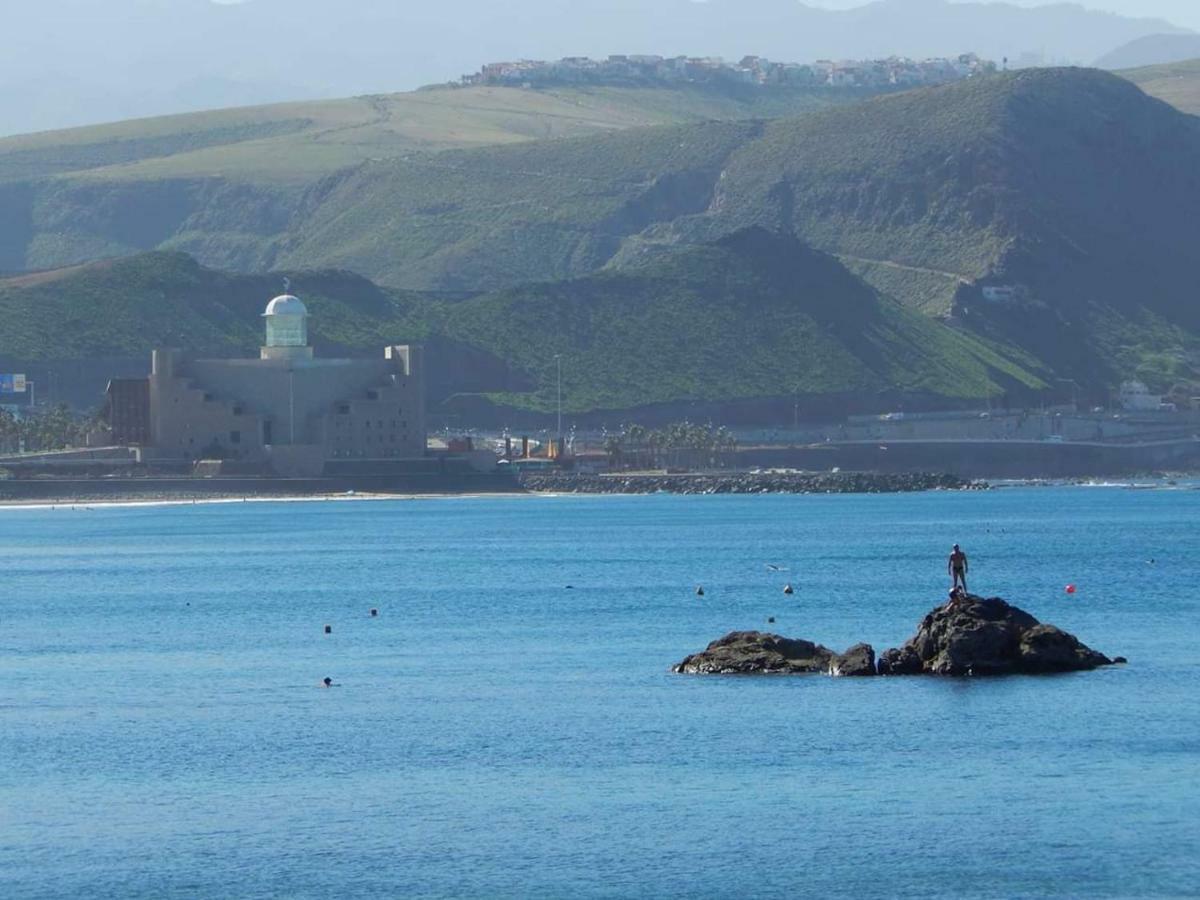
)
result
[(957, 567)]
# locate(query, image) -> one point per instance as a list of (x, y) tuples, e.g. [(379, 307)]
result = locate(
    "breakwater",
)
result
[(750, 483)]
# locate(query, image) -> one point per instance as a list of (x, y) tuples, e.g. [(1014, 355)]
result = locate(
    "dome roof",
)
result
[(286, 305)]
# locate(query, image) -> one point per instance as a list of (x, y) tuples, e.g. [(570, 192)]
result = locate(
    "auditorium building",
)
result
[(288, 411)]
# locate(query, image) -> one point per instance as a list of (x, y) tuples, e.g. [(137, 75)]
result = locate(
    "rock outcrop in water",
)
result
[(975, 636), (969, 636), (756, 653)]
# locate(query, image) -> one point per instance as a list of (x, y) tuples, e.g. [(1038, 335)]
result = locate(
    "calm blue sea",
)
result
[(494, 733)]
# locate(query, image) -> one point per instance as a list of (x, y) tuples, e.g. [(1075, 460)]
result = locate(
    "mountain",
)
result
[(1176, 83), (1152, 50), (226, 185), (291, 144), (121, 59), (752, 318), (1069, 191)]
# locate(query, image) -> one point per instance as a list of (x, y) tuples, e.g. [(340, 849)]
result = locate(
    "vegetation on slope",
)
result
[(293, 143), (1175, 83), (754, 316)]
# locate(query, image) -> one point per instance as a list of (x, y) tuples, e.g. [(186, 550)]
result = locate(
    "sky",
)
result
[(72, 62), (1185, 13)]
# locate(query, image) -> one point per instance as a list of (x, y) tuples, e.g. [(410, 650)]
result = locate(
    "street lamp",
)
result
[(558, 360)]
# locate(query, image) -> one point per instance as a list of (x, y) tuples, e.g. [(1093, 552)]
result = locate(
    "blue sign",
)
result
[(12, 384)]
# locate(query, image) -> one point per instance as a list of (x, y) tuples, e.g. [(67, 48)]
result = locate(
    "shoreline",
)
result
[(86, 504)]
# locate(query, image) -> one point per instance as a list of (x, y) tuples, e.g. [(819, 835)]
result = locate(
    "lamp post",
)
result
[(558, 360), (292, 404)]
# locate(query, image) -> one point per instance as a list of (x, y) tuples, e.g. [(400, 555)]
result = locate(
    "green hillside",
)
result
[(1069, 186), (293, 143), (226, 185), (1175, 83), (916, 192), (126, 308), (754, 316)]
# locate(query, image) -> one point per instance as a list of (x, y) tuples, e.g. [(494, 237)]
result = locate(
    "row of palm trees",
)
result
[(49, 428), (679, 445)]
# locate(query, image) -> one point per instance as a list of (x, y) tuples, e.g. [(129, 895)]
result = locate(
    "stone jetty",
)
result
[(749, 483)]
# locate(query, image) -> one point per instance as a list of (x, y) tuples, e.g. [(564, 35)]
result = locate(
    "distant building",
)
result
[(127, 411), (288, 409), (621, 69), (1136, 397)]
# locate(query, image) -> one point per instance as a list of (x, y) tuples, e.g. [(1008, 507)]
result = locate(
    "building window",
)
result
[(372, 395), (235, 437), (208, 398), (344, 409), (238, 410)]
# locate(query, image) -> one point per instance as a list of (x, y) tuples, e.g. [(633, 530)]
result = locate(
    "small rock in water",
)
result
[(975, 636)]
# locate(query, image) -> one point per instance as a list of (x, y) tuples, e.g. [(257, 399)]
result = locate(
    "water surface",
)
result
[(495, 732)]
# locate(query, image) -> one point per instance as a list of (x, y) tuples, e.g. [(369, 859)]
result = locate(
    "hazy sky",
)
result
[(1185, 13), (1182, 12)]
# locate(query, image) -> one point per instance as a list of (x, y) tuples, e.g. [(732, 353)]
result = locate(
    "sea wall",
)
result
[(748, 483)]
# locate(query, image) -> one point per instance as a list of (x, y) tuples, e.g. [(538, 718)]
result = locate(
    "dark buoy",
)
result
[(374, 612), (329, 629), (699, 592), (789, 590), (327, 681), (771, 621)]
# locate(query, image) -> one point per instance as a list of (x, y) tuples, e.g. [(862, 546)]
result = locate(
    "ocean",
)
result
[(508, 724)]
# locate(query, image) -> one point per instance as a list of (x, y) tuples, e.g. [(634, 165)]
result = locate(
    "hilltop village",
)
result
[(751, 70)]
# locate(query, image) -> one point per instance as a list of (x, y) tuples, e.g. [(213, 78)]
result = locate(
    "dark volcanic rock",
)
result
[(756, 653), (974, 636), (748, 483), (859, 660)]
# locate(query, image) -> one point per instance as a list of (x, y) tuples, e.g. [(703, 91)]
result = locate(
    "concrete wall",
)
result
[(236, 408)]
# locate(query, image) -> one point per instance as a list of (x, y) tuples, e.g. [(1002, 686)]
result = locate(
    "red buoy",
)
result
[(1070, 588)]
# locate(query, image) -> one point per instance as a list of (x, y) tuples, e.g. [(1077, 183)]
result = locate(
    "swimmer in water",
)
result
[(327, 682)]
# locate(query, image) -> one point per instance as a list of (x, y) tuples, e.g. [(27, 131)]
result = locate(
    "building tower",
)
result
[(287, 329)]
